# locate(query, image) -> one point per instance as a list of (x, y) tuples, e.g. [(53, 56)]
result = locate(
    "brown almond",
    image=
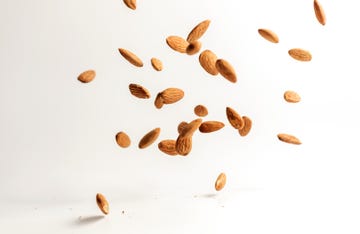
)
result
[(191, 127), (131, 4), (168, 147), (289, 139), (234, 118), (102, 203), (159, 102), (247, 126), (220, 182), (207, 60), (193, 47), (156, 64), (211, 126), (122, 139), (200, 111), (149, 138), (198, 31), (319, 12), (226, 70), (292, 96), (139, 91), (300, 55), (183, 145), (172, 95), (268, 35), (181, 126), (87, 76), (177, 43), (131, 57)]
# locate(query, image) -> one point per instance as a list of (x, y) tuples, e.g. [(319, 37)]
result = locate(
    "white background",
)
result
[(57, 135)]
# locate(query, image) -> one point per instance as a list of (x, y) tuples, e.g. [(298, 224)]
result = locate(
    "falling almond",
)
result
[(156, 64), (149, 138), (234, 118), (177, 43), (292, 96), (226, 70), (131, 57), (207, 61), (168, 147), (181, 126), (220, 182), (159, 102), (191, 127), (131, 4), (102, 203), (198, 31), (87, 76), (139, 91), (247, 126), (289, 139), (183, 145), (172, 95), (269, 35), (211, 126), (123, 140), (193, 47), (201, 110), (300, 54), (319, 12)]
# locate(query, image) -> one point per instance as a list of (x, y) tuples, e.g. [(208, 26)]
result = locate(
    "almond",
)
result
[(211, 126), (292, 96), (289, 139), (149, 138), (183, 145), (198, 31), (193, 47), (181, 126), (131, 57), (139, 91), (247, 126), (156, 64), (269, 35), (131, 4), (300, 55), (234, 118), (87, 76), (226, 70), (168, 147), (102, 203), (319, 13), (200, 111), (172, 95), (191, 127), (123, 140), (177, 43), (207, 60), (220, 182), (159, 102)]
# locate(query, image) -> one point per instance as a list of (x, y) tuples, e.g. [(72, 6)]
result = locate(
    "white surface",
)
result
[(57, 147)]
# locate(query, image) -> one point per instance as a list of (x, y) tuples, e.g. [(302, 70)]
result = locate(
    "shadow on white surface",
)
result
[(88, 219)]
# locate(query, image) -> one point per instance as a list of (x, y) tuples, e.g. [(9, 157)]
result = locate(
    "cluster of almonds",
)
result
[(213, 66)]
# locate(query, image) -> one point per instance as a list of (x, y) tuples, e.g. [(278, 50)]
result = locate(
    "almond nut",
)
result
[(289, 139), (131, 57), (200, 111), (300, 55), (220, 182), (207, 60), (102, 203), (177, 43), (156, 64), (168, 147), (87, 76), (234, 118), (226, 70), (319, 12), (139, 91), (247, 126), (198, 31), (149, 138), (292, 96), (172, 95), (211, 126), (123, 140), (269, 35)]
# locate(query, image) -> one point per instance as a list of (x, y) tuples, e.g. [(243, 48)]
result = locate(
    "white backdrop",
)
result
[(57, 135)]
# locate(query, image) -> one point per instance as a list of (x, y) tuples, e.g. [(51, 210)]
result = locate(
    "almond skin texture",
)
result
[(102, 203), (87, 76), (190, 128), (123, 140), (159, 102), (201, 111), (181, 126), (211, 126), (269, 35), (168, 147), (139, 91), (207, 61), (193, 48), (289, 139), (177, 43), (183, 145), (247, 126), (131, 4), (319, 13), (149, 138), (300, 54), (226, 70), (198, 31), (131, 57), (234, 118), (156, 64), (220, 182), (292, 96), (172, 95)]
